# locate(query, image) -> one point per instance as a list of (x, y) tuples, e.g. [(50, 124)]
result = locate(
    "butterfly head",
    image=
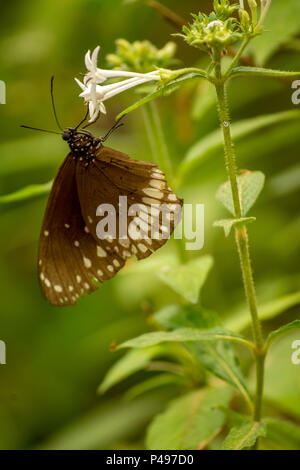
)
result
[(68, 134)]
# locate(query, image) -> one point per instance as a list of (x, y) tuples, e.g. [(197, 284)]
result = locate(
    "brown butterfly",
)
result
[(71, 257)]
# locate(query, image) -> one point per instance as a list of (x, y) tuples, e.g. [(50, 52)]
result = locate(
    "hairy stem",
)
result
[(241, 238), (260, 372)]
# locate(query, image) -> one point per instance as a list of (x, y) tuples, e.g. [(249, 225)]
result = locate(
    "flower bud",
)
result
[(253, 7), (245, 19)]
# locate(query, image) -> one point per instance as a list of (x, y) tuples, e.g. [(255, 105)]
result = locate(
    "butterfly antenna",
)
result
[(53, 105), (114, 128), (93, 122), (83, 120), (41, 130)]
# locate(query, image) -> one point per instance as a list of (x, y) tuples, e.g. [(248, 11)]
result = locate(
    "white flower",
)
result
[(101, 75), (95, 94), (214, 23)]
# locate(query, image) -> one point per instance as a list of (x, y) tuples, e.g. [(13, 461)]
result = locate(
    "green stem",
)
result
[(260, 372), (157, 141), (243, 249), (161, 156), (241, 237), (237, 56), (228, 147), (168, 14)]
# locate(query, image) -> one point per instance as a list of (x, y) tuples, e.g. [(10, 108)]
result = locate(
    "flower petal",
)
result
[(95, 58), (87, 60), (102, 107), (82, 86)]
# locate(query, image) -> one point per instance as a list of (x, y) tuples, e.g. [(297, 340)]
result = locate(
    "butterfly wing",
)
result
[(114, 174), (67, 253)]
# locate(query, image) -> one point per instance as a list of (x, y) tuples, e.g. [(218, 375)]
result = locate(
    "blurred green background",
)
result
[(56, 358)]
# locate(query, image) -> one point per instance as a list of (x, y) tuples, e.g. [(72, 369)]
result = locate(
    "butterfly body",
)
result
[(72, 257), (83, 145)]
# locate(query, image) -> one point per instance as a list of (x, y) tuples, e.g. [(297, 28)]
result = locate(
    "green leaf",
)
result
[(250, 185), (274, 335), (240, 320), (132, 362), (173, 317), (190, 421), (159, 380), (282, 435), (234, 419), (28, 192), (176, 316), (282, 377), (244, 436), (261, 72), (216, 356), (214, 141), (182, 335), (281, 24), (188, 279), (227, 224), (166, 90)]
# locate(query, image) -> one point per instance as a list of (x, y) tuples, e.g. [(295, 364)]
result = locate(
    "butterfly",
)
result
[(72, 260)]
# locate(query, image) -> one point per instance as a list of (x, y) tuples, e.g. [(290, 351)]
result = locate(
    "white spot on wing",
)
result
[(157, 184), (153, 193), (157, 174), (142, 247), (149, 201), (100, 252), (124, 242), (87, 262)]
